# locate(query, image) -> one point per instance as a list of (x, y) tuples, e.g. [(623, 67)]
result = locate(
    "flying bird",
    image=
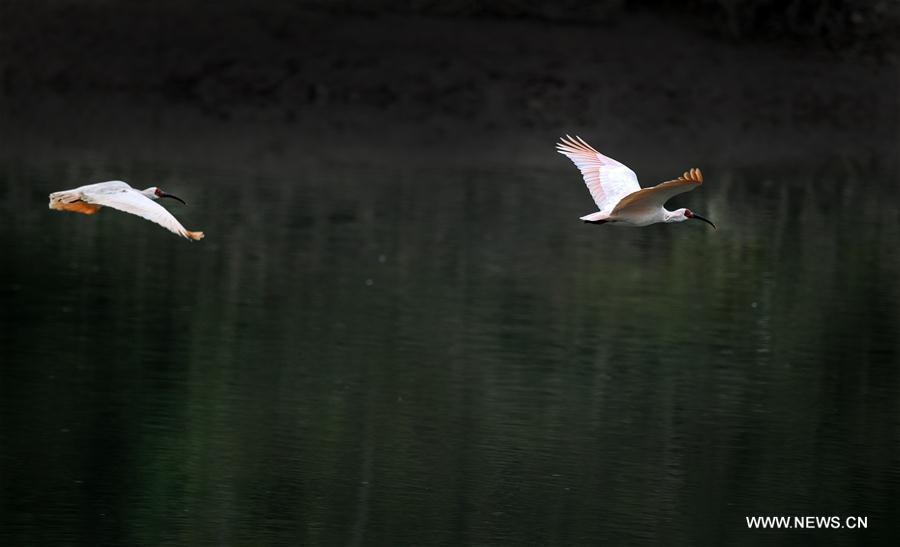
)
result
[(617, 193), (119, 195)]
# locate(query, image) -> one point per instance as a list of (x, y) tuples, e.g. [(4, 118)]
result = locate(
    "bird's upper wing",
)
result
[(131, 201), (608, 180), (657, 196)]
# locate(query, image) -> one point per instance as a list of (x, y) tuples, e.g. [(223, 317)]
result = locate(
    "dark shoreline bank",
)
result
[(425, 88)]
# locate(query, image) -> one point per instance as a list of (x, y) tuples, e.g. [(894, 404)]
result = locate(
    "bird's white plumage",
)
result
[(119, 195), (104, 187), (617, 193), (607, 180)]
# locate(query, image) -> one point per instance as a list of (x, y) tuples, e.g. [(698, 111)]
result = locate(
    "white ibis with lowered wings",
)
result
[(119, 195), (617, 193)]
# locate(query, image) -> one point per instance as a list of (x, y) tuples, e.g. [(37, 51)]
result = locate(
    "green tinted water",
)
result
[(367, 355)]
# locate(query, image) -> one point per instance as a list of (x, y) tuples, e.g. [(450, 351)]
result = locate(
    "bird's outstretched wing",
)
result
[(657, 196), (608, 180), (131, 201)]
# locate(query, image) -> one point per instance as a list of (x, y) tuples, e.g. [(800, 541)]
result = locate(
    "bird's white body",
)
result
[(618, 195), (119, 195)]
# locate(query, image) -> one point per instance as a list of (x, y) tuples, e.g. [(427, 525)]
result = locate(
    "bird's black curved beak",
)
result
[(165, 195), (706, 220)]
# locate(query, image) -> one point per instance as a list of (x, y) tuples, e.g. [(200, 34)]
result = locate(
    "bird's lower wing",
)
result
[(607, 180), (131, 201), (657, 196)]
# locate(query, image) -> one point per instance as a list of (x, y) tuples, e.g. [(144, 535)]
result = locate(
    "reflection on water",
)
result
[(361, 355)]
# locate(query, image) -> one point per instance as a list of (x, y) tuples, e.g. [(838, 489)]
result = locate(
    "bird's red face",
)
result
[(690, 214), (160, 194)]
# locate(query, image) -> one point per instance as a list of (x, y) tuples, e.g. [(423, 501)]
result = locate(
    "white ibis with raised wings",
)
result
[(119, 195), (617, 193)]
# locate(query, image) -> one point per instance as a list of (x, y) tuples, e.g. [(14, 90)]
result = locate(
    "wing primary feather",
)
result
[(586, 145)]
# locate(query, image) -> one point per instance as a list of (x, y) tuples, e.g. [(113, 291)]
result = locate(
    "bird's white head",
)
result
[(680, 215), (155, 192)]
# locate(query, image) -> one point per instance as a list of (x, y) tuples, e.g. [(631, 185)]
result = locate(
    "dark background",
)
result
[(478, 80), (396, 332)]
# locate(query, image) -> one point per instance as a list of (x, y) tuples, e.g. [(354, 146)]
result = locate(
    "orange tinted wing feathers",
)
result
[(656, 196), (78, 207)]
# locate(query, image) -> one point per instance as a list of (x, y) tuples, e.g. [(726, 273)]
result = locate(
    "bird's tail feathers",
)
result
[(595, 217)]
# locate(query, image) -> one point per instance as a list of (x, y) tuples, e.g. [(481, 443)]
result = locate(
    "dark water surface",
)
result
[(370, 354)]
